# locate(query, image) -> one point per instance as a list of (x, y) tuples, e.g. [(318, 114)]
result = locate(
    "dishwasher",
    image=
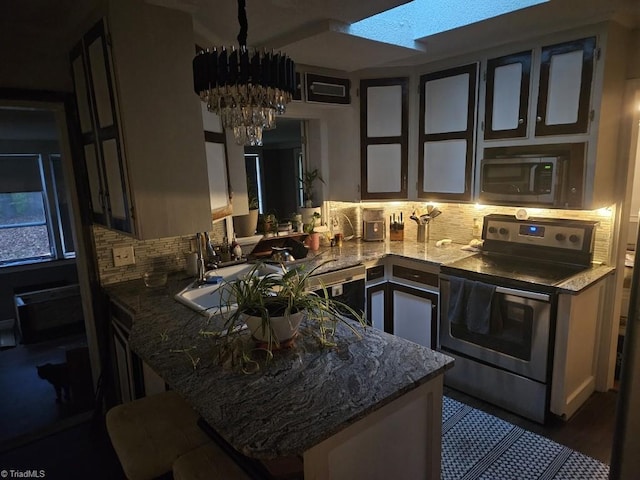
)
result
[(345, 285)]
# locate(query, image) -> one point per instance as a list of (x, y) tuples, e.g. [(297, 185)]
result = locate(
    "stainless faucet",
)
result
[(200, 263)]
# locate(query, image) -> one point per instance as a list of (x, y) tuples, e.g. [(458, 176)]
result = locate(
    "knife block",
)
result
[(396, 233)]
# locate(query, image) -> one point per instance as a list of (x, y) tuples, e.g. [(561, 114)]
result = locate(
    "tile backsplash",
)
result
[(166, 254), (456, 222)]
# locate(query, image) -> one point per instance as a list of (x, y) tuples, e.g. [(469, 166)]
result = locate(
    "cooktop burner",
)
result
[(513, 269)]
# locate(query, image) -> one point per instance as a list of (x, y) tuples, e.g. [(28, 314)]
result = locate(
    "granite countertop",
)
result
[(303, 396), (307, 393), (585, 279), (360, 252), (353, 253)]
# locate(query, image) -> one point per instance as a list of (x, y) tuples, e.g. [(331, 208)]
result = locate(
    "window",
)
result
[(35, 215), (254, 181)]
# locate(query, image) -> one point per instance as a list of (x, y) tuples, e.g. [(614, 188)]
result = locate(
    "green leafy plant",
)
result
[(278, 294), (310, 227), (308, 179)]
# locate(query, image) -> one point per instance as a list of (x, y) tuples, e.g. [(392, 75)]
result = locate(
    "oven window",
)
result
[(511, 332)]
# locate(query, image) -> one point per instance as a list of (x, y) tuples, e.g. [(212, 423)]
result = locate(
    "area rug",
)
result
[(476, 445)]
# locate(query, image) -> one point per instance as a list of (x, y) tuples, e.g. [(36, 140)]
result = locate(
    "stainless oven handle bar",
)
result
[(522, 293)]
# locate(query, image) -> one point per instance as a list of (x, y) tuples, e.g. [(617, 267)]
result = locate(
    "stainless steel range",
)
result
[(498, 309)]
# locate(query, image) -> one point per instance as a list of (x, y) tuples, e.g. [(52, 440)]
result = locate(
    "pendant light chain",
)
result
[(244, 24)]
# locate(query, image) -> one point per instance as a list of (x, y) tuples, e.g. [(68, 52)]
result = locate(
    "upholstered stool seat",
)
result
[(148, 434), (208, 462)]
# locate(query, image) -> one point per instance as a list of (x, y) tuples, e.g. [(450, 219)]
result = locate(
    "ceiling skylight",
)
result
[(407, 24)]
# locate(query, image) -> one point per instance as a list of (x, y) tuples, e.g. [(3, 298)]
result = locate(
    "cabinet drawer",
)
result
[(428, 278), (374, 273)]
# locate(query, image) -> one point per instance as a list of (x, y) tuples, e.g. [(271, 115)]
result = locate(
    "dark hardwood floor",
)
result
[(28, 403), (588, 431), (80, 452)]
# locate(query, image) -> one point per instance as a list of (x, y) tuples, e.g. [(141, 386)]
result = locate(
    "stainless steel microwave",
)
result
[(523, 180)]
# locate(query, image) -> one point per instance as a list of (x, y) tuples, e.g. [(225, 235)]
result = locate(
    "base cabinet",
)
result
[(376, 305), (131, 376), (576, 350), (404, 302), (414, 315)]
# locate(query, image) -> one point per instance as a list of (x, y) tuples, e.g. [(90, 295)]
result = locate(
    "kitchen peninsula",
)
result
[(368, 400), (368, 408)]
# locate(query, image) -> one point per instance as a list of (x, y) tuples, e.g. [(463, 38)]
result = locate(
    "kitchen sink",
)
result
[(209, 298)]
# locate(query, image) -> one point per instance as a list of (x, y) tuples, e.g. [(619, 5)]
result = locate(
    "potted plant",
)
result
[(273, 305), (308, 179), (313, 240), (245, 225)]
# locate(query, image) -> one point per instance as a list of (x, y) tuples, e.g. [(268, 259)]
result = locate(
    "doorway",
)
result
[(274, 170), (42, 314)]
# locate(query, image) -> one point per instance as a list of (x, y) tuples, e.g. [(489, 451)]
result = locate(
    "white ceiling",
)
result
[(312, 32)]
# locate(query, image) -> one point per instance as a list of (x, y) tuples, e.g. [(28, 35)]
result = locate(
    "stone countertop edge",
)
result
[(583, 280), (302, 397)]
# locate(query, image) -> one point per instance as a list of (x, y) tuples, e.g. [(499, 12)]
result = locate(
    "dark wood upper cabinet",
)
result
[(446, 136), (507, 96), (564, 98), (384, 130)]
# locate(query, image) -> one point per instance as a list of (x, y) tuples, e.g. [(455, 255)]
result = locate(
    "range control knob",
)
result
[(574, 238), (503, 231), (561, 237), (492, 230)]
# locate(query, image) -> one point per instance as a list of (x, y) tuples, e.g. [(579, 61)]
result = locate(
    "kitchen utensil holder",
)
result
[(422, 233)]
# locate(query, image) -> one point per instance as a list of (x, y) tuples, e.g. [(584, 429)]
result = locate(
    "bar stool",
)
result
[(148, 434), (206, 463)]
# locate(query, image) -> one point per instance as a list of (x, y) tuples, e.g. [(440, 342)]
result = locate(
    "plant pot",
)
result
[(282, 328), (307, 214), (313, 241), (245, 225)]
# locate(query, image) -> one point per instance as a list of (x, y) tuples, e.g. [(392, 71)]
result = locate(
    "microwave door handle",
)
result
[(533, 177)]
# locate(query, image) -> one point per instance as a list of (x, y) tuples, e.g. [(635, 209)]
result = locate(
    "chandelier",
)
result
[(246, 89)]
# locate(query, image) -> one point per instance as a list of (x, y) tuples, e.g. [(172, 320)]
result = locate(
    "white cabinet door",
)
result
[(216, 154), (564, 96), (507, 96), (144, 122), (384, 138), (446, 103), (446, 162), (447, 123), (414, 315), (376, 305), (95, 95)]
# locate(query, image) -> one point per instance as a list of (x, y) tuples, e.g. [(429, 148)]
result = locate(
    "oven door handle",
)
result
[(525, 294)]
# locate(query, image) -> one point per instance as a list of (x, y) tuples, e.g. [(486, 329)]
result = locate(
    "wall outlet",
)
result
[(477, 228), (123, 256)]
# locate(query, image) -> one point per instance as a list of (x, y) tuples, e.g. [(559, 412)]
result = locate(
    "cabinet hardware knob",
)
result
[(520, 121), (538, 119)]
